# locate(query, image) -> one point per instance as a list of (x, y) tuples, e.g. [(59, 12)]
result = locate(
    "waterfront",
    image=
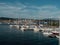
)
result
[(13, 36)]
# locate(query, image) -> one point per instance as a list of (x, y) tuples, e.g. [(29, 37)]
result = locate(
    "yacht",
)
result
[(15, 26), (55, 32), (24, 27), (47, 31), (29, 28)]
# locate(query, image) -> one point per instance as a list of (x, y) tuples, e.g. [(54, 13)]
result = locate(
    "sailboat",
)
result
[(15, 25)]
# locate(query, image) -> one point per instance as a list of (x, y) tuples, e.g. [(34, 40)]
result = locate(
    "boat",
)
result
[(58, 37), (55, 33), (24, 27), (34, 28), (15, 26), (47, 33), (29, 28)]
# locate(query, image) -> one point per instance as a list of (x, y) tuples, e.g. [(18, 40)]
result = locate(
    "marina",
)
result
[(29, 32), (47, 27), (9, 36), (29, 22), (46, 31), (27, 26)]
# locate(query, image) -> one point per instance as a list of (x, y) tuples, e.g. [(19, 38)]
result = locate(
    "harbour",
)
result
[(29, 22), (49, 27), (13, 36)]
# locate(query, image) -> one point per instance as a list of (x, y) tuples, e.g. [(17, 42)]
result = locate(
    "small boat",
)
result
[(14, 26), (55, 33), (24, 27), (47, 33)]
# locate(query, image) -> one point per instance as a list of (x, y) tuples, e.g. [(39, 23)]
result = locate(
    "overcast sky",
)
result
[(30, 8)]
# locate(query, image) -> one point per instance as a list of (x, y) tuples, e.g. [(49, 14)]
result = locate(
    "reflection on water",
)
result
[(12, 36)]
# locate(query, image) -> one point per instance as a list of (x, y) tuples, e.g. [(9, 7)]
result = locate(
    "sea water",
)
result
[(14, 36)]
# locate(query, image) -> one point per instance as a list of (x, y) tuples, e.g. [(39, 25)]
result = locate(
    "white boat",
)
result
[(47, 33), (24, 27), (29, 28), (36, 29), (55, 32), (16, 26), (58, 36)]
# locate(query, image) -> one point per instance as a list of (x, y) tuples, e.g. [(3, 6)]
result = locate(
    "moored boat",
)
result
[(55, 33), (47, 33)]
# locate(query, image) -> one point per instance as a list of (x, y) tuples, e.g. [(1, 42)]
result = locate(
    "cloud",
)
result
[(10, 11), (49, 11), (17, 10)]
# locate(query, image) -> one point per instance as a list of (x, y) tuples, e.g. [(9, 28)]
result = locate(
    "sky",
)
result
[(30, 8)]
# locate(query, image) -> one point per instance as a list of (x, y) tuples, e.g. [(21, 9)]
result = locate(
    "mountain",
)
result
[(6, 18)]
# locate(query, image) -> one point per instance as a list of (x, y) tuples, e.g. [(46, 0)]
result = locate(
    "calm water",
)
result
[(12, 36)]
